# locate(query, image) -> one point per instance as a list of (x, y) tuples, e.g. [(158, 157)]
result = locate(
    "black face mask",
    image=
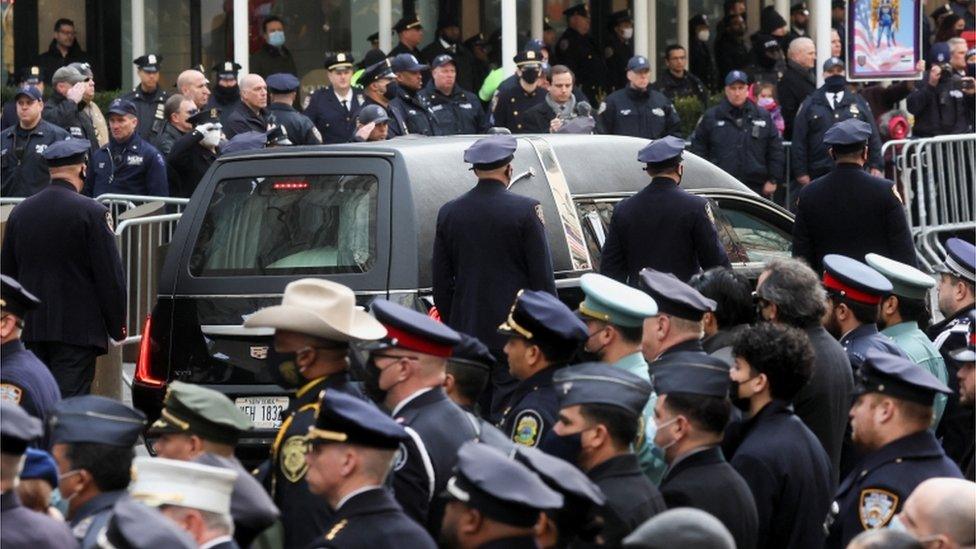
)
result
[(529, 76), (835, 83), (225, 94), (567, 447), (582, 355), (737, 401), (391, 91), (371, 381), (285, 371)]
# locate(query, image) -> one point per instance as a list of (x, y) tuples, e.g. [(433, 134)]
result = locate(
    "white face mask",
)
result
[(703, 35), (628, 33)]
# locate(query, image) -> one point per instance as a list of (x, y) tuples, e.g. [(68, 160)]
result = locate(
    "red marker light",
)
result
[(290, 186)]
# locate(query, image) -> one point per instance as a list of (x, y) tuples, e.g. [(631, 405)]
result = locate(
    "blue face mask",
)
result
[(276, 38)]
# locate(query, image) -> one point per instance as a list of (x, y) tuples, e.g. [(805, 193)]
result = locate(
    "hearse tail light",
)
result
[(144, 364), (290, 186)]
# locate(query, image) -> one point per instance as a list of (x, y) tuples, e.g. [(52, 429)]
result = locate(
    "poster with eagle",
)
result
[(884, 39)]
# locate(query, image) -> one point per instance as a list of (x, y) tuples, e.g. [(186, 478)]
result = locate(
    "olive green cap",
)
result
[(196, 410)]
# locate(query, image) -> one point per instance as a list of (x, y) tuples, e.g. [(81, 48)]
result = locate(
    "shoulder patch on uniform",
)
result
[(11, 393), (539, 213), (876, 507), (336, 529), (528, 425), (400, 459), (293, 464)]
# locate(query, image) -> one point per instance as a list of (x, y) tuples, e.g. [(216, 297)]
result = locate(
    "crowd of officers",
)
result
[(675, 402), (160, 143)]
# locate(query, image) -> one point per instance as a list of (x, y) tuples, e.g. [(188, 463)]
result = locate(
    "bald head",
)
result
[(193, 85), (803, 52), (942, 508), (254, 91)]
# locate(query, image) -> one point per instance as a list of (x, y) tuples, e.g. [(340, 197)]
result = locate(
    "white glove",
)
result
[(204, 128), (77, 92)]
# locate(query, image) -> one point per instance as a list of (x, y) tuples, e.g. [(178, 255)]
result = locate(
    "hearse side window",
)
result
[(285, 225)]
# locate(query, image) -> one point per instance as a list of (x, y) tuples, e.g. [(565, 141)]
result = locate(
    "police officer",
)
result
[(489, 244), (825, 107), (203, 425), (405, 373), (379, 88), (128, 164), (410, 108), (188, 494), (227, 93), (29, 76), (24, 171), (372, 124), (691, 412), (543, 335), (299, 129), (499, 497), (677, 81), (619, 48), (411, 34), (314, 324), (93, 439), (849, 202), (686, 240), (510, 105), (578, 50), (614, 314), (638, 110), (965, 359), (957, 277), (599, 416), (448, 42), (366, 515), (740, 138), (252, 113), (24, 379), (890, 420), (148, 97), (135, 525), (455, 109), (468, 372), (333, 110), (66, 107), (61, 245), (674, 333), (192, 154), (900, 314), (25, 528)]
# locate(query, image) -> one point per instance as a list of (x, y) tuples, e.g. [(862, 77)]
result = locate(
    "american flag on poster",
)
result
[(884, 41)]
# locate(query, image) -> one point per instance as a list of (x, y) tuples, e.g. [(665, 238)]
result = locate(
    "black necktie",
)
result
[(345, 106)]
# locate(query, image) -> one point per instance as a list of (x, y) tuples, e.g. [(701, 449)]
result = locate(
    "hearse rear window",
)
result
[(315, 224)]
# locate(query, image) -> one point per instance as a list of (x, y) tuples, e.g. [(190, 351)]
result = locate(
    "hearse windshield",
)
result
[(314, 224)]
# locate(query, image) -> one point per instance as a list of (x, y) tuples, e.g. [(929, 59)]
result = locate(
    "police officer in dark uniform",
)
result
[(594, 396), (411, 32), (638, 110), (902, 452), (404, 374), (25, 528), (686, 240), (410, 108), (957, 277), (740, 138), (507, 496), (468, 371), (691, 413), (488, 245), (300, 130), (365, 514), (24, 379), (226, 93), (577, 50), (194, 152), (847, 211), (29, 76), (46, 250), (203, 425), (128, 164), (448, 42), (825, 107), (619, 48), (93, 439), (510, 104), (148, 97), (378, 86), (683, 307), (333, 109), (314, 324), (24, 171), (543, 335), (455, 109)]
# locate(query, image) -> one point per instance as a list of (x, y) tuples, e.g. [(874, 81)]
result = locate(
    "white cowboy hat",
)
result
[(319, 308)]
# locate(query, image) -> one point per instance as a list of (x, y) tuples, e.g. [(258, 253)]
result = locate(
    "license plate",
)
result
[(265, 412)]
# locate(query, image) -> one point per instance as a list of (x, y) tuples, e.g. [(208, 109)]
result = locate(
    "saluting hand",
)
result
[(77, 92)]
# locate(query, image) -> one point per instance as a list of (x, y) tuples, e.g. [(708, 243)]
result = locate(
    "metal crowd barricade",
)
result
[(120, 203)]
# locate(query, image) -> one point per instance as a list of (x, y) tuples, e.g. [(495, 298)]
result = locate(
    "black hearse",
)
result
[(363, 215)]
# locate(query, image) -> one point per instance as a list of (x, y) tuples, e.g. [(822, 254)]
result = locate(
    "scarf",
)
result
[(567, 110)]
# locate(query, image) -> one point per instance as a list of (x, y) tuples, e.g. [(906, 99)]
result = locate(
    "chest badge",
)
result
[(876, 508), (259, 352), (528, 426), (293, 464), (133, 160), (39, 149)]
